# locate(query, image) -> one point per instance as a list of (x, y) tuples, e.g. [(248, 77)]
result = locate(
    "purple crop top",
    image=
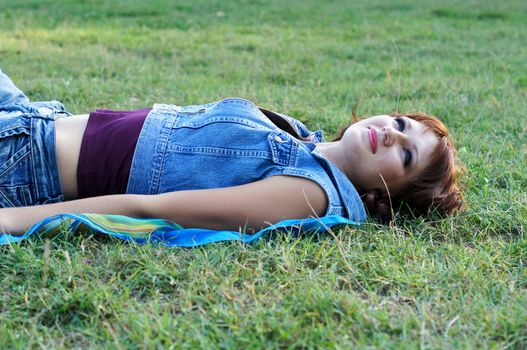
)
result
[(107, 150)]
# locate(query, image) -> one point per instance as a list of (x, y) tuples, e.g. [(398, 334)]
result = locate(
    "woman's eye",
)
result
[(400, 123), (407, 155)]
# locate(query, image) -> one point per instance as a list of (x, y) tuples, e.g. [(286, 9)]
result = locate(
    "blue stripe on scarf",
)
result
[(170, 235)]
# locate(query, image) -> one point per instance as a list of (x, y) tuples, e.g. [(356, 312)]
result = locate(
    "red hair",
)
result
[(435, 188)]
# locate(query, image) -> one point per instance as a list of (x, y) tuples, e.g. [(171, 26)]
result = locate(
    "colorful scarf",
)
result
[(167, 233)]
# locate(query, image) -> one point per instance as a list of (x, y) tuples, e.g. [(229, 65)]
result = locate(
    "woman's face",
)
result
[(396, 148)]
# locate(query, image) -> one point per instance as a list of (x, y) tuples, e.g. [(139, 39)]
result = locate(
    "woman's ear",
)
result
[(371, 199), (378, 205)]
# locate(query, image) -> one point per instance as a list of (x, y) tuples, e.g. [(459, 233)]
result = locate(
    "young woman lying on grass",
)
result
[(222, 165)]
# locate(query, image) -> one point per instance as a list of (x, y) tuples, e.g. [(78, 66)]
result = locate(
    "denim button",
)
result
[(278, 139)]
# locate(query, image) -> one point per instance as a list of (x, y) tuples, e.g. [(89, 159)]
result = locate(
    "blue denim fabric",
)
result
[(28, 166), (229, 143)]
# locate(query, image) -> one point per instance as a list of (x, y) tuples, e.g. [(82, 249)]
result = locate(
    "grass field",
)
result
[(460, 282)]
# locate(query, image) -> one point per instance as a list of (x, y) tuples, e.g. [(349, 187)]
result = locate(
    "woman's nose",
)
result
[(391, 135)]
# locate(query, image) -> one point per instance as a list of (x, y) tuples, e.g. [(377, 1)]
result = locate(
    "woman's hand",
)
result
[(12, 222), (16, 221), (5, 223)]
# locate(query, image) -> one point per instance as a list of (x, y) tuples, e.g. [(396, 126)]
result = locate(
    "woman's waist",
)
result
[(68, 139)]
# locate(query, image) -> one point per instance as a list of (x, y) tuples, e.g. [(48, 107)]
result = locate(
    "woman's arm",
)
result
[(16, 221), (251, 206)]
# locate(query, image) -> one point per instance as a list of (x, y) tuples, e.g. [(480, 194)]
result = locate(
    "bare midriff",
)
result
[(68, 140)]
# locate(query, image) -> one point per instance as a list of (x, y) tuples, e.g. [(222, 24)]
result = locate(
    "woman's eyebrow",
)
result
[(409, 123)]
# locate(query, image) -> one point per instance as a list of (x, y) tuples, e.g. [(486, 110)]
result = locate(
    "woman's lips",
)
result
[(374, 139)]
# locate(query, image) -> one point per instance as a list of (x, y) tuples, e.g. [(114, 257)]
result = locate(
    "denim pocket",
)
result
[(283, 147), (16, 185), (15, 196), (14, 148)]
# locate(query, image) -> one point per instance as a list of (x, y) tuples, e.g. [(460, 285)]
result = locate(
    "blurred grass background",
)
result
[(454, 283)]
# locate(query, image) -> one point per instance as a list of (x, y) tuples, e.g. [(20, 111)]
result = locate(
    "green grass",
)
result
[(454, 283)]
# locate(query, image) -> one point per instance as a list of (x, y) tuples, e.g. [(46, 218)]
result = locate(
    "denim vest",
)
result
[(230, 143)]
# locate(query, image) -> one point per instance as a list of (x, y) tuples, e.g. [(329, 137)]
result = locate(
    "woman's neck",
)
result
[(334, 152)]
